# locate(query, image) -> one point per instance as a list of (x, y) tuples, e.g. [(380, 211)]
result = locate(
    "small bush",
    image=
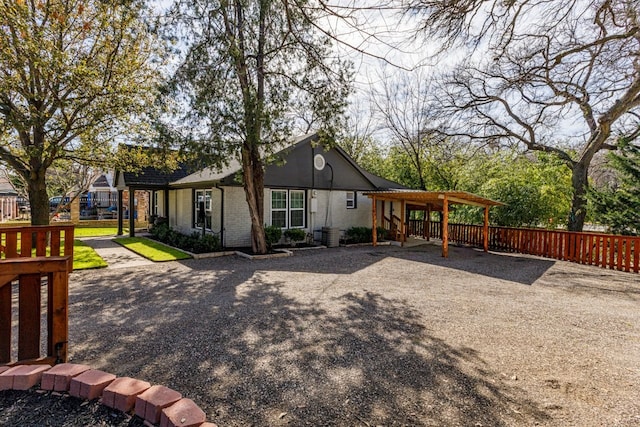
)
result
[(362, 234), (272, 234), (358, 235), (195, 242), (295, 234)]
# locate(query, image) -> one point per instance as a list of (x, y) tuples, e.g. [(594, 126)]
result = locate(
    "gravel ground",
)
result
[(372, 336)]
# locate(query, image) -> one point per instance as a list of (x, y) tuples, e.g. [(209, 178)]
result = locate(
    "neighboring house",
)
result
[(100, 200), (307, 188), (10, 204)]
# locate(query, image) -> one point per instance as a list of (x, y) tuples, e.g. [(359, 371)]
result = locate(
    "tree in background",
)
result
[(402, 107), (618, 206), (74, 75), (536, 191), (247, 66), (541, 72)]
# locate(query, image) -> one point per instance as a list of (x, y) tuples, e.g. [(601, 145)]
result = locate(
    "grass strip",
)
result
[(84, 257), (95, 231), (150, 249)]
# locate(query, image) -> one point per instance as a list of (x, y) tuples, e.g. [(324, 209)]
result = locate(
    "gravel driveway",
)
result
[(372, 336)]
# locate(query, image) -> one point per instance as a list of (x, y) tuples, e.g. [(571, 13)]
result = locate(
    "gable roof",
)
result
[(149, 177), (293, 168), (6, 188)]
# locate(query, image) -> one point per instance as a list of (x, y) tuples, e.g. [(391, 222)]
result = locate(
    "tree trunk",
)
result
[(580, 184), (254, 192), (38, 197)]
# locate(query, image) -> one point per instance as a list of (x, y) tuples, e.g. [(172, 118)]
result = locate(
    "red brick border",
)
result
[(156, 405)]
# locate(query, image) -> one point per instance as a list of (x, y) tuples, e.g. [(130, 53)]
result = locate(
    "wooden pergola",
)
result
[(431, 201)]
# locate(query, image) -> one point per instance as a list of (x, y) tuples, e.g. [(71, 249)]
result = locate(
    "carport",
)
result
[(430, 201)]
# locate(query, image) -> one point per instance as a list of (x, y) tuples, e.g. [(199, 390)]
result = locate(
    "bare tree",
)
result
[(541, 73), (404, 108)]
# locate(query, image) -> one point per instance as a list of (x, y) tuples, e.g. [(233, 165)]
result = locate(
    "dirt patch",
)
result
[(372, 336), (36, 408)]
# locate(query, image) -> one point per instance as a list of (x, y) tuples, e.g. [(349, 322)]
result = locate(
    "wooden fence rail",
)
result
[(30, 257), (603, 250), (36, 241)]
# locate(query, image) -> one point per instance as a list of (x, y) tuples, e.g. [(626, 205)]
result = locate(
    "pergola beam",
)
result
[(453, 199)]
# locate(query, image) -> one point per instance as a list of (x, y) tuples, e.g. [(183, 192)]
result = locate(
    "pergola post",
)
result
[(427, 226), (445, 227), (374, 221), (485, 229)]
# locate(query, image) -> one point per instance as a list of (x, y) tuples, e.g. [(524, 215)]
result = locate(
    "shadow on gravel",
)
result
[(249, 354), (514, 268)]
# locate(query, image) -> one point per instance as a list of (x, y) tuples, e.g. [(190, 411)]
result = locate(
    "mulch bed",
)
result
[(33, 408)]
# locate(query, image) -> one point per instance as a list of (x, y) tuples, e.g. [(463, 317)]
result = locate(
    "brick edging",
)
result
[(156, 405)]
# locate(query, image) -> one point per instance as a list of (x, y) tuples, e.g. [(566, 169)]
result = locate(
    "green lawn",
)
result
[(85, 257), (151, 249), (95, 231)]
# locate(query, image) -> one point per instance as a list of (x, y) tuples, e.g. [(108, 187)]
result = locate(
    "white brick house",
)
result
[(309, 188)]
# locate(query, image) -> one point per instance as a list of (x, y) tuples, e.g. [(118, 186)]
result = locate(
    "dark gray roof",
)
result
[(150, 177), (294, 169), (101, 182)]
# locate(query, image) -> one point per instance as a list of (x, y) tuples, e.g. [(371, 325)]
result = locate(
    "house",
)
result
[(309, 188), (12, 206)]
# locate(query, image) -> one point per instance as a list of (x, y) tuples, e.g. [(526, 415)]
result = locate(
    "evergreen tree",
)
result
[(618, 206)]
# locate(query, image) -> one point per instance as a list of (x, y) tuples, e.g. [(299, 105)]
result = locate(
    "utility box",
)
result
[(331, 237)]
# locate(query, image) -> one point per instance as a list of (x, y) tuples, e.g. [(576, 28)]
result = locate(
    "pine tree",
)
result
[(618, 207)]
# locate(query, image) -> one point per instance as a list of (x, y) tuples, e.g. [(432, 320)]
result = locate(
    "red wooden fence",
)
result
[(31, 257), (603, 250)]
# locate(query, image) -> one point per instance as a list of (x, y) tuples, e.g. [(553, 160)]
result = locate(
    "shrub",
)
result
[(295, 234), (358, 235), (363, 234), (272, 234), (195, 242)]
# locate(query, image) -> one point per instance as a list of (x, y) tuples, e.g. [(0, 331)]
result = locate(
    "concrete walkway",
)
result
[(115, 255)]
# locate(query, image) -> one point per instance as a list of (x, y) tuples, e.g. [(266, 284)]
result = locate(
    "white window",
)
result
[(279, 208), (288, 208), (351, 200), (296, 209), (202, 209)]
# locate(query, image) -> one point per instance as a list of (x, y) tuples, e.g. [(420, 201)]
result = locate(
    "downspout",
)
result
[(326, 218)]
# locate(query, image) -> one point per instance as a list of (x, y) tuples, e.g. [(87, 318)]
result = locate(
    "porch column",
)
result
[(403, 228), (166, 204), (445, 227), (132, 206), (374, 221), (120, 212), (485, 229)]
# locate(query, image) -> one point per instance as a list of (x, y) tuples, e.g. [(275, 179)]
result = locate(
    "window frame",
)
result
[(354, 200), (302, 209), (208, 204), (288, 210), (285, 209)]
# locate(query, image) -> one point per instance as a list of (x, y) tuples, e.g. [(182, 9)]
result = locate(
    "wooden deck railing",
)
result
[(603, 250), (37, 259)]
